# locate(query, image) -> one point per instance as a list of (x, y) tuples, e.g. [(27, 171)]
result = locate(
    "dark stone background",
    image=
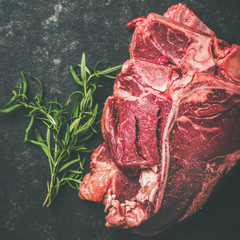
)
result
[(44, 38)]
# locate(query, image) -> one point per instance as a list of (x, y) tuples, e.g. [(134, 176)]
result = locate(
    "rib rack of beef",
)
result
[(171, 128)]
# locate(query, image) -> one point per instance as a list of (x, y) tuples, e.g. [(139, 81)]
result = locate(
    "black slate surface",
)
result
[(44, 38)]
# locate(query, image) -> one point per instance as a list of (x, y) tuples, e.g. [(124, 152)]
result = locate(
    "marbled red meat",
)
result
[(171, 128)]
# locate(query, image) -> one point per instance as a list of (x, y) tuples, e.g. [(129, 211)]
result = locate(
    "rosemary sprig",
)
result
[(66, 131)]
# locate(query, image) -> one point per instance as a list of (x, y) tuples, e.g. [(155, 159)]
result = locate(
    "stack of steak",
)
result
[(171, 128)]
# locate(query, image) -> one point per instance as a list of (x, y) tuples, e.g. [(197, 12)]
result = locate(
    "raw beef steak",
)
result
[(171, 128)]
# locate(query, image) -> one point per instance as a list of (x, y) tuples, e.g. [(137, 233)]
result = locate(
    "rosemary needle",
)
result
[(66, 130)]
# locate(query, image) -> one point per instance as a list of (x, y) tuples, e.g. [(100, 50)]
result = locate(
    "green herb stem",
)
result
[(67, 129)]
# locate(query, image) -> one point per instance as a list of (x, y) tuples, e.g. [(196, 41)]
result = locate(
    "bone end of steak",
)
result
[(181, 13), (157, 36)]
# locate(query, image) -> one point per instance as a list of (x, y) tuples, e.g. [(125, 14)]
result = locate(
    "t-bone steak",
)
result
[(171, 128)]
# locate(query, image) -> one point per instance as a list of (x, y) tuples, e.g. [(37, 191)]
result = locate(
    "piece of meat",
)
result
[(171, 128)]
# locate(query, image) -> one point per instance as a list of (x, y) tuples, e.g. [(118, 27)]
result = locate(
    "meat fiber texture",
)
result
[(171, 128)]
